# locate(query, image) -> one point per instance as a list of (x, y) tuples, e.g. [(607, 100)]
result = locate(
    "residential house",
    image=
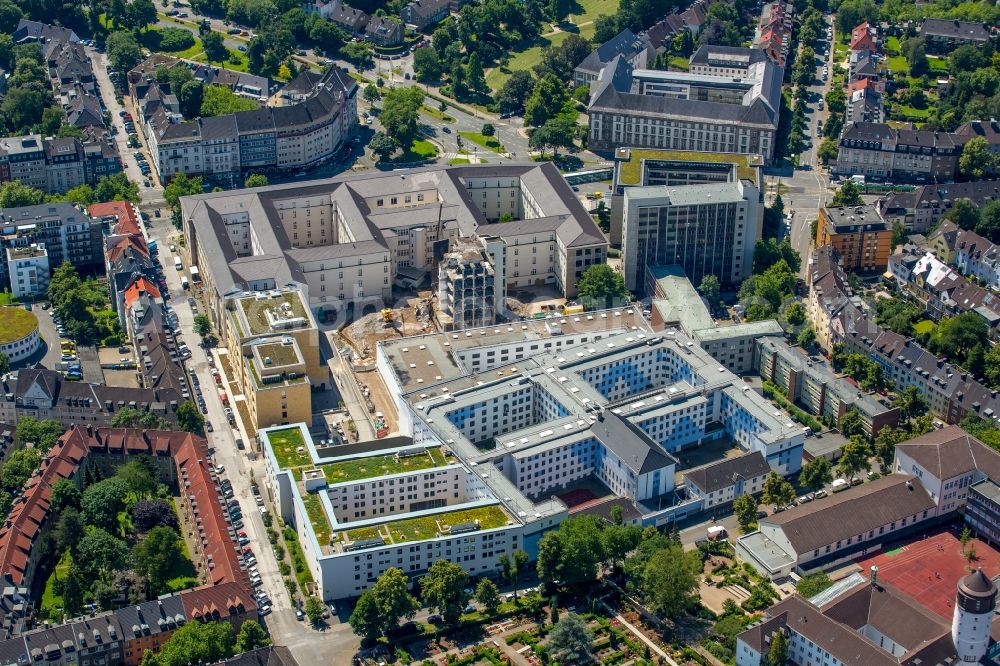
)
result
[(945, 35)]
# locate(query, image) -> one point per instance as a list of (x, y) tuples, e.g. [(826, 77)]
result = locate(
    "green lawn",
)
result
[(419, 151), (679, 63), (898, 65), (925, 326), (183, 574), (285, 444), (913, 113), (435, 113), (892, 45), (49, 597), (317, 515), (369, 467), (427, 527), (937, 65), (489, 142), (458, 160), (7, 298)]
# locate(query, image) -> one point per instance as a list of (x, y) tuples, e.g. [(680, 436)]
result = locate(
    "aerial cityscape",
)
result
[(485, 332)]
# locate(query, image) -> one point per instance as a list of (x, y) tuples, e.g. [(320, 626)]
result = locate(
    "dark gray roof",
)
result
[(724, 473), (218, 127), (856, 511), (256, 120), (624, 44), (272, 655), (962, 30), (704, 54), (632, 446)]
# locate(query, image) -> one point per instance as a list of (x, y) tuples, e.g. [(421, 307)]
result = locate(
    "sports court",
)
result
[(583, 493), (928, 569)]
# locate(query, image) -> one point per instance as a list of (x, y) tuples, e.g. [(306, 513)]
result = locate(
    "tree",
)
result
[(250, 637), (710, 290), (202, 323), (851, 13), (849, 194), (976, 159), (155, 556), (426, 65), (221, 101), (828, 149), (964, 214), (515, 91), (777, 654), (488, 130), (382, 145), (253, 180), (314, 610), (215, 47), (194, 643), (100, 553), (189, 419), (670, 578), (603, 285), (102, 501), (4, 364), (910, 403), (546, 100), (572, 553), (69, 530), (488, 595), (916, 56), (181, 185), (150, 513), (65, 495), (18, 468), (475, 77), (955, 337), (130, 417), (854, 458), (400, 112), (357, 53), (989, 221), (885, 446), (617, 541), (42, 434), (767, 252), (571, 643), (777, 490), (380, 609), (816, 473), (22, 108), (851, 423), (139, 474), (116, 187), (371, 93), (745, 509), (14, 194), (443, 589), (123, 51), (511, 566), (556, 133)]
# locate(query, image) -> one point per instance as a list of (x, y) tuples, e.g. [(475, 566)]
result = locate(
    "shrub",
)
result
[(175, 39)]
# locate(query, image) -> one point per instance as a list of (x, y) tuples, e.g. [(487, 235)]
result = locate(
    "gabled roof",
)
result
[(633, 447), (857, 511), (717, 476), (952, 29)]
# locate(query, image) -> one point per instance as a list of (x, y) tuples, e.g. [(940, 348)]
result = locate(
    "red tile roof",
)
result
[(128, 222), (132, 240), (140, 285)]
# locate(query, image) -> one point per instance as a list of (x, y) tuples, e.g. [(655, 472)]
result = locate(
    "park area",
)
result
[(580, 21)]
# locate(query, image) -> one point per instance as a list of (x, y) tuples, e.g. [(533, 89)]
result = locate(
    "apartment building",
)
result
[(880, 152), (344, 240), (690, 20), (815, 388), (636, 51), (946, 35), (57, 165), (28, 268), (687, 111), (291, 136), (941, 290), (422, 14), (273, 343), (708, 229), (20, 337), (921, 209), (773, 34), (121, 637), (66, 232), (982, 510), (720, 483), (24, 160), (860, 238)]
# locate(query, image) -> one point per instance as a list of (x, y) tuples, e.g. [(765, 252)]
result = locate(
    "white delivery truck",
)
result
[(716, 532), (177, 262)]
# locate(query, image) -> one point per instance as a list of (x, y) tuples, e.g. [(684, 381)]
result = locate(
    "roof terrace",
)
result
[(420, 528), (272, 311), (631, 168)]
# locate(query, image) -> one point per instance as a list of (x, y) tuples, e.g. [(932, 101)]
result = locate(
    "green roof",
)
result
[(428, 527), (285, 444), (279, 353), (372, 466), (317, 516), (256, 309), (16, 323), (630, 171)]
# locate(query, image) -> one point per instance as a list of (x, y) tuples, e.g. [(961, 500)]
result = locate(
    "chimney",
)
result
[(874, 576)]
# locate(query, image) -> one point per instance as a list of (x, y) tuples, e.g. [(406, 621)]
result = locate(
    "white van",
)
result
[(184, 283), (177, 262)]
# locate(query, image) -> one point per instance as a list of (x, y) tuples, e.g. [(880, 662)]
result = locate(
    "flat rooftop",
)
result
[(426, 360), (255, 310), (631, 162), (688, 195), (767, 551), (431, 525), (279, 353), (381, 465)]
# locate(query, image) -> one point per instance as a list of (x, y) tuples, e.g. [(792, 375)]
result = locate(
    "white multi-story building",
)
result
[(28, 268)]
